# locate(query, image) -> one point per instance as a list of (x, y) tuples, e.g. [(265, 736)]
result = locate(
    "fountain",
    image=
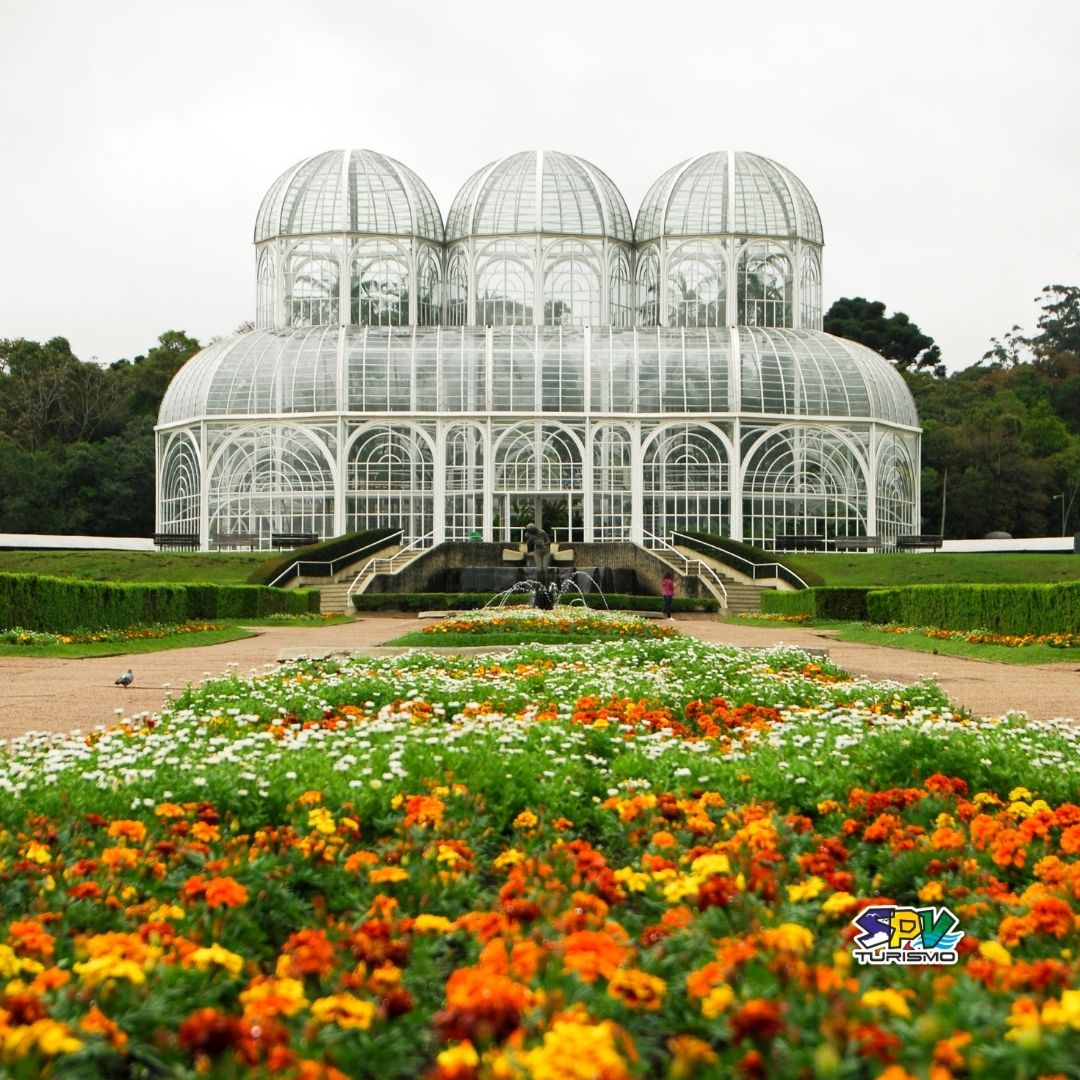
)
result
[(547, 594)]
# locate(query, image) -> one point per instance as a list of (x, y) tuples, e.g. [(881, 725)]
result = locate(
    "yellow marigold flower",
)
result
[(1070, 1007), (37, 852), (47, 1037), (526, 820), (449, 855), (168, 810), (718, 1000), (321, 820), (274, 996), (715, 862), (931, 892), (510, 857), (688, 1052), (891, 1000), (99, 969), (995, 953), (631, 879), (167, 911), (345, 1010), (828, 806), (840, 903), (678, 890), (1018, 793), (572, 1050), (216, 956), (432, 924), (791, 937), (805, 890), (10, 965), (458, 1058), (386, 874)]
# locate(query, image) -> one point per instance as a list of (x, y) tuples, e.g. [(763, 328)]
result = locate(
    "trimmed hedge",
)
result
[(37, 602), (830, 602), (471, 601), (1005, 609), (758, 556), (325, 551)]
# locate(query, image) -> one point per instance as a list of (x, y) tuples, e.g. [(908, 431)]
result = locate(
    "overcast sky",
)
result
[(940, 140)]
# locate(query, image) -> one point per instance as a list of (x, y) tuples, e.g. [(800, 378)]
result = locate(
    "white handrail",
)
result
[(689, 567), (388, 566), (287, 572), (723, 555)]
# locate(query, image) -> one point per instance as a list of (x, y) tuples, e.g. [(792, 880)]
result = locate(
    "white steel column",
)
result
[(489, 440), (341, 483), (204, 491), (587, 458), (871, 483)]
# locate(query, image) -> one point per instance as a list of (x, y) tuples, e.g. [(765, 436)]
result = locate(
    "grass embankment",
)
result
[(221, 567), (940, 567)]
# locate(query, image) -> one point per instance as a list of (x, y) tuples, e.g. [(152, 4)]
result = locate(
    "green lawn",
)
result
[(221, 567), (939, 567), (83, 649)]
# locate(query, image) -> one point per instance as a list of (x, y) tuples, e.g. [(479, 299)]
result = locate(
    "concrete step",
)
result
[(335, 597)]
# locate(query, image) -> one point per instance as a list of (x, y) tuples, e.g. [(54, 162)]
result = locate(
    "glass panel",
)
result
[(379, 284)]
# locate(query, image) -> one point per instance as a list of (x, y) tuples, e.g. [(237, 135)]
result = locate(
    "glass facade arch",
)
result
[(537, 360)]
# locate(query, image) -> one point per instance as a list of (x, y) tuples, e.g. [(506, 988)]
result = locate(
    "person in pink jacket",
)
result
[(667, 591)]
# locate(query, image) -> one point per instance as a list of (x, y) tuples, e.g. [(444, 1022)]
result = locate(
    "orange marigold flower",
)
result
[(756, 1019), (481, 1007), (689, 1052), (209, 1032), (120, 858), (307, 952), (592, 953), (29, 936), (637, 989), (135, 831), (95, 1022), (1051, 916), (225, 892), (1070, 840)]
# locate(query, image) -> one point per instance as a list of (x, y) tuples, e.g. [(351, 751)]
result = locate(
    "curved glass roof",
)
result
[(786, 373), (539, 191), (352, 191), (728, 192)]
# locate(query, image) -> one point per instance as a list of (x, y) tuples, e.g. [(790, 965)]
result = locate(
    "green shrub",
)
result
[(1005, 609), (703, 541), (819, 603), (470, 601), (325, 551), (37, 602)]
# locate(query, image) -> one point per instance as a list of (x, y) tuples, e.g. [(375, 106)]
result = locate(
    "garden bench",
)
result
[(293, 540), (858, 543), (799, 543), (234, 540), (176, 540), (922, 540)]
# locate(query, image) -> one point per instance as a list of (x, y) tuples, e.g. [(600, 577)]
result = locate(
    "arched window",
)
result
[(810, 292), (696, 286), (612, 478), (685, 472), (464, 481), (504, 284), (311, 285), (621, 313), (895, 489), (379, 285), (571, 285), (764, 285), (457, 291), (429, 291), (179, 498), (267, 290), (648, 288), (390, 480)]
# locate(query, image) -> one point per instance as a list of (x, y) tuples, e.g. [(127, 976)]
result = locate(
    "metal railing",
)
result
[(688, 567), (752, 570), (294, 569), (389, 566)]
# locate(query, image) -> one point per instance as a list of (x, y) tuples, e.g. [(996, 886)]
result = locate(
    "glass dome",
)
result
[(539, 191), (728, 193), (349, 191)]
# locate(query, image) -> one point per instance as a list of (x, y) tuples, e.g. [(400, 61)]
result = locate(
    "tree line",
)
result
[(1001, 437)]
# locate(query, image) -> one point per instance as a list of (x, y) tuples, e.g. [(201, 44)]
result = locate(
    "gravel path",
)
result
[(61, 695)]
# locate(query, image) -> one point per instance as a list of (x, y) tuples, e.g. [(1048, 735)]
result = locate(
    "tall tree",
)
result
[(896, 337)]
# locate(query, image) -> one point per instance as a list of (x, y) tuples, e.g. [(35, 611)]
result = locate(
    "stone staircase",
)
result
[(743, 597), (334, 592)]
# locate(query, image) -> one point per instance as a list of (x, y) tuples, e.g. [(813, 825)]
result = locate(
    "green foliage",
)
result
[(325, 551), (222, 567), (1005, 609), (897, 338), (940, 567), (819, 603), (472, 601), (58, 604)]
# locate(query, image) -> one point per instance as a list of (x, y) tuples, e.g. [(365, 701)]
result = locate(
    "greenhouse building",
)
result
[(540, 357)]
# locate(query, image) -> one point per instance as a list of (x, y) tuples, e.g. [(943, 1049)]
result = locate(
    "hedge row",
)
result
[(825, 603), (325, 551), (36, 602), (470, 601), (1005, 609)]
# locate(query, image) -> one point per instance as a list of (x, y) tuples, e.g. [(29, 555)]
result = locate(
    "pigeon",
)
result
[(126, 679)]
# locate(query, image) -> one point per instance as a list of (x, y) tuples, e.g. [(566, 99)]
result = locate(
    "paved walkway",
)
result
[(59, 695)]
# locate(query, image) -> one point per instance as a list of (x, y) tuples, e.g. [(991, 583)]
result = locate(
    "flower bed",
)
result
[(561, 619), (19, 636), (987, 637), (639, 858)]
